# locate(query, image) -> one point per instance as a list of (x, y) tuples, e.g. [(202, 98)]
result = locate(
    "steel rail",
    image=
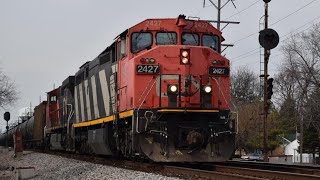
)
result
[(312, 170), (268, 174)]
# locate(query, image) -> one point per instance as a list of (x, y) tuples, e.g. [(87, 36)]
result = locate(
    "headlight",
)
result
[(207, 89), (173, 88), (185, 60), (185, 54)]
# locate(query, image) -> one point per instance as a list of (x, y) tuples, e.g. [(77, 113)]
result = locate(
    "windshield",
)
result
[(210, 41), (166, 38), (190, 39), (140, 41)]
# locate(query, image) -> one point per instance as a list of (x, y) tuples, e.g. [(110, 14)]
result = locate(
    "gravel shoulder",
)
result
[(56, 167)]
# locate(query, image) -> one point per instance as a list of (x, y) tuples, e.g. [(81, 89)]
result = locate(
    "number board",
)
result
[(218, 71), (148, 69)]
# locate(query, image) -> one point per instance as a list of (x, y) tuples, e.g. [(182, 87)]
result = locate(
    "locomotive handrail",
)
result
[(237, 120), (233, 112), (145, 91), (220, 89), (137, 123), (69, 117), (59, 109)]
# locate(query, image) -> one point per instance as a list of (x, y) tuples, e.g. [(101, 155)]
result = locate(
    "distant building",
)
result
[(25, 113), (288, 152)]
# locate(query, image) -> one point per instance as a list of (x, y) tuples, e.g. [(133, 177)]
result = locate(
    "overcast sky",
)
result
[(44, 41)]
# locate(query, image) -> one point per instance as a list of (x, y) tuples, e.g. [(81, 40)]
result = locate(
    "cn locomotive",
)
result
[(160, 91)]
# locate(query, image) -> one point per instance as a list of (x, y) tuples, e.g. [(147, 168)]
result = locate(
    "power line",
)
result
[(248, 52), (300, 28), (243, 10), (277, 21), (293, 12), (219, 6), (245, 37)]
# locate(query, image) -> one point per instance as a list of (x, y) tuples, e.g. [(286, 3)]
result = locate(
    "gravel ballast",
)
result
[(55, 167)]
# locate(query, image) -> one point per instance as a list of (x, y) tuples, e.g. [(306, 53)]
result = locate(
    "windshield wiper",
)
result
[(194, 37), (170, 37)]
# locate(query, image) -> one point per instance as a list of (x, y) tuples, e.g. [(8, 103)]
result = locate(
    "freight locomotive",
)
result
[(160, 91)]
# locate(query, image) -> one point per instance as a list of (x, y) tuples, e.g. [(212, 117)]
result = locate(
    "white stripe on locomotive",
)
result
[(76, 103), (95, 98), (82, 118), (87, 99), (105, 91)]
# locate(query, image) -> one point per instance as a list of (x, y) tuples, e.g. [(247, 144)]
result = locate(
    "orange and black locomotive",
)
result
[(160, 91)]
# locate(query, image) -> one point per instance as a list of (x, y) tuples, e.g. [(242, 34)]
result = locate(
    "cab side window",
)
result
[(53, 99), (140, 41), (166, 38), (191, 39), (211, 41), (122, 48)]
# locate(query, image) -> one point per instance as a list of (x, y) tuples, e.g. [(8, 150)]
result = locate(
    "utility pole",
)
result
[(301, 136), (219, 14), (219, 7)]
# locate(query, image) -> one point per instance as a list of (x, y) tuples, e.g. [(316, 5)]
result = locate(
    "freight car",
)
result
[(160, 91), (31, 129)]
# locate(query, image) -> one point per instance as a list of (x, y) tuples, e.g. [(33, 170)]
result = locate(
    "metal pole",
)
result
[(265, 126), (219, 14), (7, 127), (301, 137)]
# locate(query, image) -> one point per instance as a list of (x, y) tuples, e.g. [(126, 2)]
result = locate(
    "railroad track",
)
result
[(293, 168), (226, 172), (248, 170), (216, 171)]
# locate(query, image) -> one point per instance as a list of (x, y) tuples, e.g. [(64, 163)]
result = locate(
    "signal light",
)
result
[(6, 116), (218, 62), (151, 60), (147, 60), (269, 88)]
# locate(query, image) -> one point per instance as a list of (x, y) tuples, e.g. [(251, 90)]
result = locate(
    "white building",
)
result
[(291, 149)]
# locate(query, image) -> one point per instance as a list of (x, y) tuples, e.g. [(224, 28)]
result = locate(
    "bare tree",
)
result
[(8, 91), (302, 61), (244, 85), (245, 93), (312, 110), (302, 65)]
